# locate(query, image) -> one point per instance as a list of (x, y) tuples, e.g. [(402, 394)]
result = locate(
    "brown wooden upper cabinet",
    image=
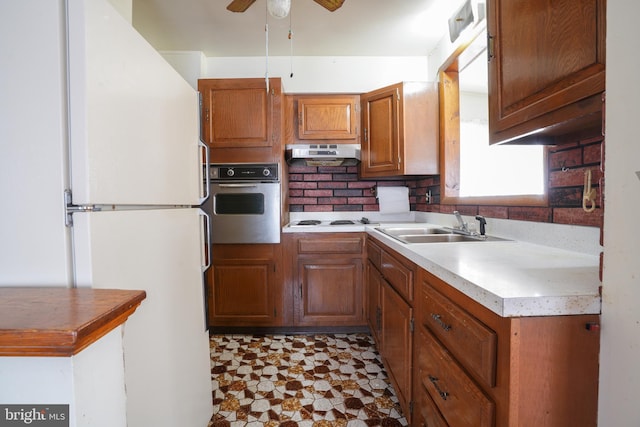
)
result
[(328, 117), (322, 118), (241, 113), (400, 130), (546, 68)]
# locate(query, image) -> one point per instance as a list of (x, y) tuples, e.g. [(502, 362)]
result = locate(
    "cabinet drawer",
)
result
[(470, 341), (374, 253), (428, 414), (334, 245), (460, 401), (398, 275)]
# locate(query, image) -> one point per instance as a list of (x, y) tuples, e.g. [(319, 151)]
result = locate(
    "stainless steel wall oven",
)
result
[(244, 202)]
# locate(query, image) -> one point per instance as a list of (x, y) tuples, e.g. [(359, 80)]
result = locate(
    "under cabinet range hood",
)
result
[(323, 154)]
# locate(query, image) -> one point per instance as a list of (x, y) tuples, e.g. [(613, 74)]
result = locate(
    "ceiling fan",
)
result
[(242, 5)]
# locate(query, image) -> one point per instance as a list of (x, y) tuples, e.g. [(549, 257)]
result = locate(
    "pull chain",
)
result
[(266, 46), (291, 44)]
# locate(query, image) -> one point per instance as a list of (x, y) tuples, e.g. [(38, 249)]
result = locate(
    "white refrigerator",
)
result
[(89, 108)]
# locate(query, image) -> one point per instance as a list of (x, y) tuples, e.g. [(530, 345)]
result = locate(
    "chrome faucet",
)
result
[(461, 224)]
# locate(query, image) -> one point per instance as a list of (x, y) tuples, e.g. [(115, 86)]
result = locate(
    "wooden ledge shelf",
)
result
[(60, 322)]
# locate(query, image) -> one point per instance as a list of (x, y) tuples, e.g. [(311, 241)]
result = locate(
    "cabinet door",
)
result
[(329, 117), (238, 113), (244, 286), (397, 339), (330, 292), (374, 309), (381, 139), (548, 64)]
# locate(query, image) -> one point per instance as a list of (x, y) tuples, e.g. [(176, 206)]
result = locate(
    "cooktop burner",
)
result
[(342, 222), (315, 222), (309, 222)]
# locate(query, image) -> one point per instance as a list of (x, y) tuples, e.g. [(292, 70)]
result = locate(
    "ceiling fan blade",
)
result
[(240, 5), (330, 5)]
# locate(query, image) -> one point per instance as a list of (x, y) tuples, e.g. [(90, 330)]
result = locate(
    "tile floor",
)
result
[(300, 380)]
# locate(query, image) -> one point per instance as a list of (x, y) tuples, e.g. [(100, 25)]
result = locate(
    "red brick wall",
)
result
[(336, 189), (333, 189)]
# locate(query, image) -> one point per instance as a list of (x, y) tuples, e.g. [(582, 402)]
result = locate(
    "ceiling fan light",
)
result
[(279, 8)]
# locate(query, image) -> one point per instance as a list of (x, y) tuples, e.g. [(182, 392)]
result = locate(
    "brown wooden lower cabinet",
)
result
[(452, 361), (327, 279), (397, 337), (461, 402), (390, 316), (480, 369), (310, 280), (426, 413), (374, 283), (329, 292), (243, 286), (463, 365)]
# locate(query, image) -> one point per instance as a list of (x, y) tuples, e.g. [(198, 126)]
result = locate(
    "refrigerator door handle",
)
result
[(206, 259), (204, 171)]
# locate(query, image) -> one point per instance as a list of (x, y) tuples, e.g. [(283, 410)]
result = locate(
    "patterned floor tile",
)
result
[(300, 381)]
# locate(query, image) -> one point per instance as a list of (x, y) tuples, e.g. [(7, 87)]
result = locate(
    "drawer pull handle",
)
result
[(434, 381), (439, 321)]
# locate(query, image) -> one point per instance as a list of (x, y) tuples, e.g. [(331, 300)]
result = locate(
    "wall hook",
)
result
[(588, 193)]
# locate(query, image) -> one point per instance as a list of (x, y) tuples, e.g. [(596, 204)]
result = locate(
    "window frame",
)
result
[(449, 93)]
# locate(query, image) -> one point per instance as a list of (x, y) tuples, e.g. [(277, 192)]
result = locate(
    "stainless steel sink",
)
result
[(439, 238), (433, 235), (404, 231)]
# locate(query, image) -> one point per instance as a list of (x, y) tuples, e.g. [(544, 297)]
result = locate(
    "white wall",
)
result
[(91, 382), (191, 65), (323, 74), (124, 8), (620, 340)]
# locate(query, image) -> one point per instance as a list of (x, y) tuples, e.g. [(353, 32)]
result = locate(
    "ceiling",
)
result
[(358, 28)]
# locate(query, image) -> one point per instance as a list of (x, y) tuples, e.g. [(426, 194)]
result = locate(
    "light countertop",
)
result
[(511, 278)]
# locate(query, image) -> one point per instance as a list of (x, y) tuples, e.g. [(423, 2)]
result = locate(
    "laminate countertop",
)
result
[(46, 321), (511, 278)]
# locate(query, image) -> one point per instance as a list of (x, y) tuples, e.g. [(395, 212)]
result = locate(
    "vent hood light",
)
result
[(323, 154)]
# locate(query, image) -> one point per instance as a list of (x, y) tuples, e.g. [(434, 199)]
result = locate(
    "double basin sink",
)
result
[(433, 235)]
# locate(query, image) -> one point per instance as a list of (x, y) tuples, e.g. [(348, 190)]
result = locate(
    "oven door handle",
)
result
[(248, 185)]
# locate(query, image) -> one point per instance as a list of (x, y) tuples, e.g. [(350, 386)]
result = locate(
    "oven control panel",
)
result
[(244, 172)]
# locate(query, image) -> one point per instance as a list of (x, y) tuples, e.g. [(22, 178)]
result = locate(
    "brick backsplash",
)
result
[(339, 189), (336, 189)]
